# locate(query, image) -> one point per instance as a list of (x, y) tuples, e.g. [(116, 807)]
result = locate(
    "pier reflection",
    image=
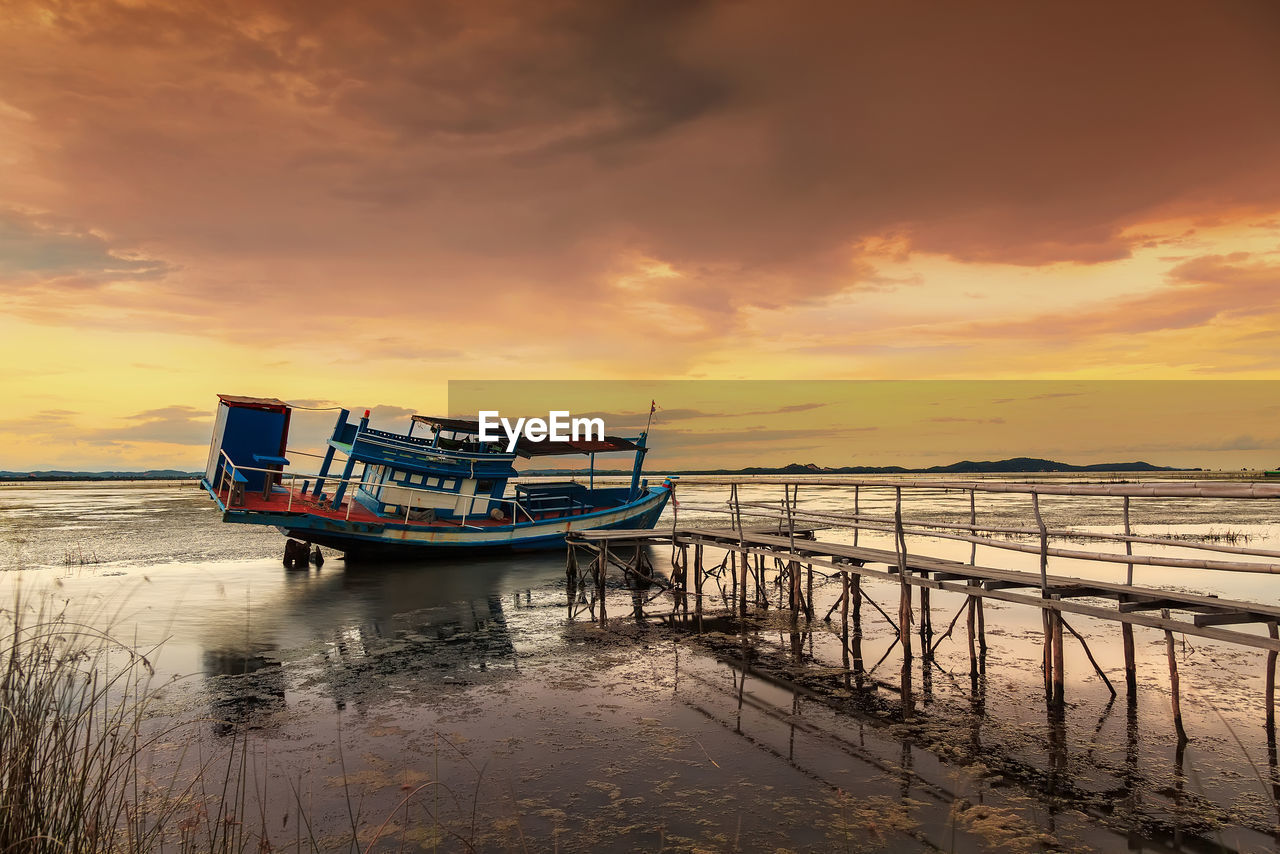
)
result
[(849, 725)]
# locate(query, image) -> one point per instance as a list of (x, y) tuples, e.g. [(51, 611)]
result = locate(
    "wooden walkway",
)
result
[(1208, 612), (788, 550)]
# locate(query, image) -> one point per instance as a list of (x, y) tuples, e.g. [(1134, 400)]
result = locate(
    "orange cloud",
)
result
[(337, 200)]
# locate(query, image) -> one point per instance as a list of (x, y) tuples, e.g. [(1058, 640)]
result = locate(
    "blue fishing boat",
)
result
[(439, 487)]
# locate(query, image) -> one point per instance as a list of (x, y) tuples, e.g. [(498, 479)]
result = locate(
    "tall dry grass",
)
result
[(77, 733), (72, 701)]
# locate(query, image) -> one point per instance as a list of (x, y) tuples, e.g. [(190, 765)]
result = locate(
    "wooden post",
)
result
[(1059, 694), (973, 652), (684, 577), (904, 589), (793, 577), (973, 526), (697, 582), (1271, 682), (1048, 654), (1102, 674), (856, 584), (1128, 546), (982, 628), (571, 573), (731, 564), (1130, 665), (1173, 681), (856, 514), (926, 620), (855, 643), (808, 595), (844, 605), (743, 558), (1044, 545), (1047, 618), (604, 570), (973, 561)]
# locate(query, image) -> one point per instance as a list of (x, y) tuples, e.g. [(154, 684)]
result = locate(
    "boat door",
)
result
[(466, 493)]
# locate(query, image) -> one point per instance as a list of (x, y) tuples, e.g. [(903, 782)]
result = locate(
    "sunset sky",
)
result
[(358, 202)]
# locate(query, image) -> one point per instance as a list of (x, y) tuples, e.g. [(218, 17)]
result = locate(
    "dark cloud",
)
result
[(505, 163), (35, 248)]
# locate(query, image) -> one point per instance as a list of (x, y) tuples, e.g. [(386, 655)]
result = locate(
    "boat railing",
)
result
[(231, 473), (377, 438)]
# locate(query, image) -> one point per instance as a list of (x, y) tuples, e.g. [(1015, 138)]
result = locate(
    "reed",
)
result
[(72, 700), (77, 733), (77, 557)]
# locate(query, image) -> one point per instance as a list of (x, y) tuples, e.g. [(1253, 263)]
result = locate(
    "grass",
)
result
[(73, 701), (77, 557), (78, 730), (1227, 536)]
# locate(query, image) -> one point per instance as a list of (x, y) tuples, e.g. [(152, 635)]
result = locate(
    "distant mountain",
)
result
[(1016, 465), (151, 474)]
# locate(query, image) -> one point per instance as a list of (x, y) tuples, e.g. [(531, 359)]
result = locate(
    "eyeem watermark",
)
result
[(559, 426)]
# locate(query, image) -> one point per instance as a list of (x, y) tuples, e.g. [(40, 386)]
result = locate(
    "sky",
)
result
[(357, 203)]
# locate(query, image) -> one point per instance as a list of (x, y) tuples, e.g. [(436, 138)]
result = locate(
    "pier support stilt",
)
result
[(1174, 692), (844, 626), (603, 564), (808, 595), (1130, 664), (904, 593), (926, 621), (1271, 683), (1097, 668), (795, 600), (744, 567), (731, 563), (973, 650), (571, 577), (982, 626), (1059, 693), (844, 606), (1048, 654), (697, 583), (855, 585)]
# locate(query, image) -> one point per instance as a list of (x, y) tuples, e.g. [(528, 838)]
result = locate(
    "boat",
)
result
[(441, 487)]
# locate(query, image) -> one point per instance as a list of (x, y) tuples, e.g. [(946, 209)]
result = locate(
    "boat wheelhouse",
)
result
[(437, 487)]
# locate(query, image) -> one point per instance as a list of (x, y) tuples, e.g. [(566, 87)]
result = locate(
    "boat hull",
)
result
[(391, 540)]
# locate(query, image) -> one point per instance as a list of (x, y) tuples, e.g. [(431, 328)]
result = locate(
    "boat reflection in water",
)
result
[(360, 635)]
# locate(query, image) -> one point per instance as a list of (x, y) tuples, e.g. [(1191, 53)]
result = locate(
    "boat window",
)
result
[(416, 479), (484, 486), (433, 481), (449, 484)]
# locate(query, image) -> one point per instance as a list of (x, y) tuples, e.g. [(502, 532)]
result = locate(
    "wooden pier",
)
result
[(784, 553)]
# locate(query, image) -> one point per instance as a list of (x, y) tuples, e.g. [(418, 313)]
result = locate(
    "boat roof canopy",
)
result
[(254, 402), (526, 448)]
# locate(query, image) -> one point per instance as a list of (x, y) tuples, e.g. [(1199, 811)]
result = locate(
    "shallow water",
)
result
[(464, 688)]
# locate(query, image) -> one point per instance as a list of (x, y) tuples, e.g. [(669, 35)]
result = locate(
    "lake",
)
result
[(452, 705)]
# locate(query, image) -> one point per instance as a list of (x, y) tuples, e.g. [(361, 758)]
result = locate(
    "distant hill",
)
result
[(1018, 465), (151, 474)]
